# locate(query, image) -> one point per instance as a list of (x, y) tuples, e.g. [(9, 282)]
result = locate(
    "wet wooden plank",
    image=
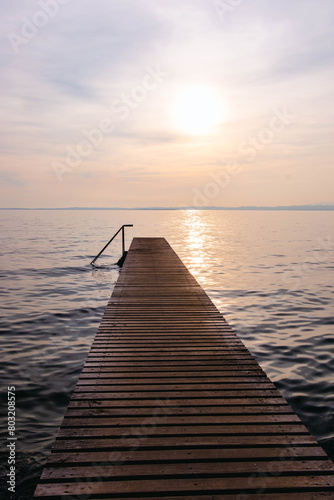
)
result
[(170, 404)]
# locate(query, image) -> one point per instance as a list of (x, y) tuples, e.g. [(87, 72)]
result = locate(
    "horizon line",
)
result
[(313, 207)]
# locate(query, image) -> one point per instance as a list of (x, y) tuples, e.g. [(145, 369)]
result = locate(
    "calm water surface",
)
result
[(269, 273)]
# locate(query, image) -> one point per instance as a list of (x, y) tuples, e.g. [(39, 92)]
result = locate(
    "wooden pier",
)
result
[(170, 404)]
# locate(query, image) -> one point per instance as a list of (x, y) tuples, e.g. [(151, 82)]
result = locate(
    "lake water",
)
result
[(269, 273)]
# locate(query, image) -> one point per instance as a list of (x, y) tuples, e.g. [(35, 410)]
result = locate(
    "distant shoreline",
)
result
[(312, 208)]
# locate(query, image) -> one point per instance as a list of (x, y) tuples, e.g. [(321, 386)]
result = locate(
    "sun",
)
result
[(198, 109)]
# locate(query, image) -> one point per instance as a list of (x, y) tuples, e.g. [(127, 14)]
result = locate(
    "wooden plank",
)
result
[(185, 395), (130, 378), (172, 371), (175, 364), (250, 496), (183, 410), (163, 442), (189, 455), (152, 429), (114, 420), (214, 485), (105, 380), (172, 387), (186, 469), (170, 404)]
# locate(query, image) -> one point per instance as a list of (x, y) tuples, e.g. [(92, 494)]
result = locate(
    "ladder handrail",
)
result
[(123, 242)]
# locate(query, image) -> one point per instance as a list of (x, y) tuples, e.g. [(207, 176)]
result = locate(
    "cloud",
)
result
[(145, 138), (262, 54), (11, 179)]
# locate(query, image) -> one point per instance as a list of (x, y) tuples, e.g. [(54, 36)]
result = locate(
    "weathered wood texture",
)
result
[(170, 404)]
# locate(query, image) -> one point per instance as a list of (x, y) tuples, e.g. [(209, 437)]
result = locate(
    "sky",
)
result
[(166, 103)]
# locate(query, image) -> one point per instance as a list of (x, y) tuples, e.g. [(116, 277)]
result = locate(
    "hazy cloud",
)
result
[(68, 75)]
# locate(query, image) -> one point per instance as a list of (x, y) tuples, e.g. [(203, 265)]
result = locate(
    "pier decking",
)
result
[(170, 404)]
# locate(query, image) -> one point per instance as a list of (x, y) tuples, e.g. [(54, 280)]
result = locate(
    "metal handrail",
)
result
[(123, 242)]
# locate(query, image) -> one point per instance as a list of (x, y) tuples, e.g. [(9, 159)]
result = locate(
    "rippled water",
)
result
[(269, 273)]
